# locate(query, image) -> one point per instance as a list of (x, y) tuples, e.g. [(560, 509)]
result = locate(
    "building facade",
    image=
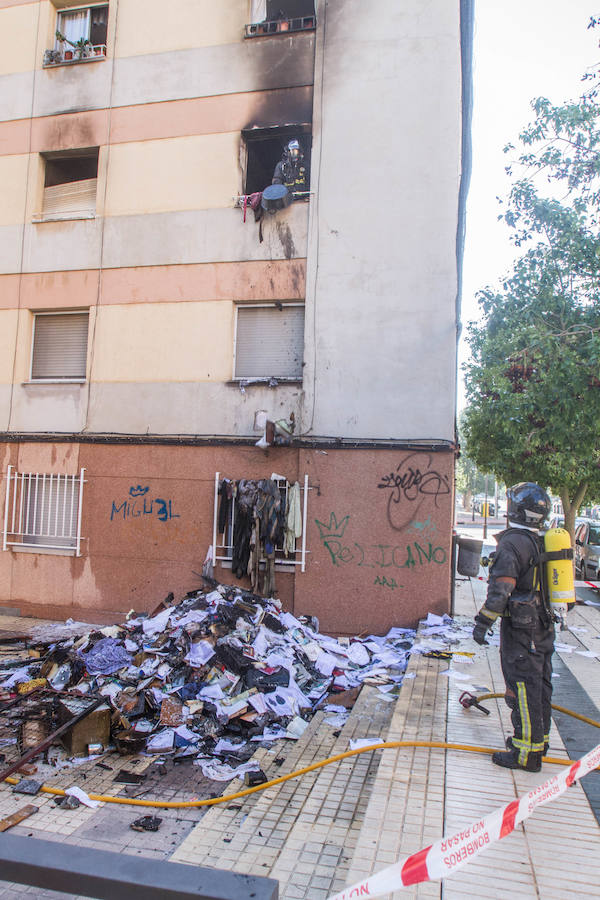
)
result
[(151, 329)]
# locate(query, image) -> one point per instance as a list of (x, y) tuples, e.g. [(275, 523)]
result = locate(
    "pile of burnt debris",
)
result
[(209, 677)]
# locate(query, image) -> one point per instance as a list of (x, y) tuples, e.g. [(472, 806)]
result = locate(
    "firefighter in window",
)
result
[(291, 171)]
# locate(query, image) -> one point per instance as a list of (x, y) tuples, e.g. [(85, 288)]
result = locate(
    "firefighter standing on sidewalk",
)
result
[(516, 594)]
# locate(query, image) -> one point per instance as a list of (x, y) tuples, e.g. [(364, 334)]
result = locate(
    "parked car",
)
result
[(587, 549)]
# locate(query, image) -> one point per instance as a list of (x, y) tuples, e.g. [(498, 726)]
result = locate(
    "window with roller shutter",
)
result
[(269, 341), (59, 351), (70, 184)]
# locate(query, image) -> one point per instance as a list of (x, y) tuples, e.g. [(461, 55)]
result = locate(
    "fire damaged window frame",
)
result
[(282, 134), (51, 208), (271, 379)]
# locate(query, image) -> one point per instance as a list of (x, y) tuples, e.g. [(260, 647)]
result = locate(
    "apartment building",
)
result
[(158, 344)]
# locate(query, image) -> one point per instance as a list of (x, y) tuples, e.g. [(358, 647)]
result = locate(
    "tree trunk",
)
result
[(467, 499), (570, 507)]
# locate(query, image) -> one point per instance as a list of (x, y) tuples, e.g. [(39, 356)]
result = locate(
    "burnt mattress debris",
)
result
[(210, 676)]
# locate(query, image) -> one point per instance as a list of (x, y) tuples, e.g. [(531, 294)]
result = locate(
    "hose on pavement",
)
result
[(383, 745)]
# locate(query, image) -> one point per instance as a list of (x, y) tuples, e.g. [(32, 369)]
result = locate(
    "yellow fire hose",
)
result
[(389, 745)]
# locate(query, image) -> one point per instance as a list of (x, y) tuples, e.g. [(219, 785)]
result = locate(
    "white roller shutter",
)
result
[(72, 198), (269, 342), (60, 345)]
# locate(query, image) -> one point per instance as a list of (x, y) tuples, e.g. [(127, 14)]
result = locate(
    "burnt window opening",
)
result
[(70, 184), (289, 9), (62, 168), (265, 148)]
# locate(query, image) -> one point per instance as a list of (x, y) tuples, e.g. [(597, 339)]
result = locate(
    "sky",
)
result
[(522, 49)]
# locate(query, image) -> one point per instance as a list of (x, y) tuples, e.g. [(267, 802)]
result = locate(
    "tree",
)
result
[(533, 384), (534, 381)]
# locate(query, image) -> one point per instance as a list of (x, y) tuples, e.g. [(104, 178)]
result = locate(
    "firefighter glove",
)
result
[(482, 626)]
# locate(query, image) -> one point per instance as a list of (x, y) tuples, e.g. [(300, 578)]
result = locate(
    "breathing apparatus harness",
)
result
[(544, 577)]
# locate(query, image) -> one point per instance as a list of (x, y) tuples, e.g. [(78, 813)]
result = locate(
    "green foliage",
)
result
[(533, 384), (82, 46)]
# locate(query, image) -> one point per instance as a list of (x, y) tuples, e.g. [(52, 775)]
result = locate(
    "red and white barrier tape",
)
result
[(452, 853), (590, 584)]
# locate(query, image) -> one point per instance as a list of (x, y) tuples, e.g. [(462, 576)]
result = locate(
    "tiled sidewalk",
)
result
[(321, 832), (301, 832), (416, 795), (556, 851)]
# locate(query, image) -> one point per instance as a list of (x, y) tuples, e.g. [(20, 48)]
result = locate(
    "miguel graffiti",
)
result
[(410, 485), (139, 504)]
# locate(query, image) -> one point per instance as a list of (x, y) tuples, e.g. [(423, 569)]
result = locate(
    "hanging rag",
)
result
[(242, 530), (226, 494), (293, 519), (269, 510)]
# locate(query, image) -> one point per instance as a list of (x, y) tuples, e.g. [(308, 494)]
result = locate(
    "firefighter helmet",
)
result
[(293, 149), (528, 504)]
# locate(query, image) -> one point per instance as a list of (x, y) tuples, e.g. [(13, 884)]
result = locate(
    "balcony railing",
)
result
[(281, 26), (71, 55)]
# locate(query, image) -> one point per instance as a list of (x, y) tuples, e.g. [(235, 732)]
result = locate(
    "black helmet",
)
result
[(528, 504)]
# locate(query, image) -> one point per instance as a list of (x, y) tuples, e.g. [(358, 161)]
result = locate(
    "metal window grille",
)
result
[(223, 552), (43, 510)]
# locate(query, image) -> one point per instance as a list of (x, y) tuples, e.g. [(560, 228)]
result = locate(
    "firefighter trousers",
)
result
[(526, 657)]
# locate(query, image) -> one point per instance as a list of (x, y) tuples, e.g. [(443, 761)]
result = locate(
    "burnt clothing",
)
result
[(226, 494), (292, 173), (245, 500), (526, 637)]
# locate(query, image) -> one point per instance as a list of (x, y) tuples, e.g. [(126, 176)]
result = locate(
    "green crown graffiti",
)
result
[(334, 529)]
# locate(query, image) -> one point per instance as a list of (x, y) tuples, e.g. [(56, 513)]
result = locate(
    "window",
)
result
[(269, 341), (43, 511), (84, 32), (264, 149), (594, 535), (59, 349), (70, 184), (273, 16)]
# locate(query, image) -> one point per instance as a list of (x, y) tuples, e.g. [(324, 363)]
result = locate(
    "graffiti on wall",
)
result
[(412, 482), (138, 504), (412, 555)]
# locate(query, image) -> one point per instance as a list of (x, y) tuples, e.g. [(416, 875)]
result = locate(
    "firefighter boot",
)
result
[(509, 745), (509, 759)]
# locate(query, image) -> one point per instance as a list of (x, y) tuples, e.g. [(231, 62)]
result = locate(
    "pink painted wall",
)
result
[(378, 535)]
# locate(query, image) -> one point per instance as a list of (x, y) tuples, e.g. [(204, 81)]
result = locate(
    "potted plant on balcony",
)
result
[(51, 57), (82, 47)]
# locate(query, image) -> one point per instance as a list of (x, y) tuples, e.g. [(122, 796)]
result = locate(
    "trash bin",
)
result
[(469, 556)]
